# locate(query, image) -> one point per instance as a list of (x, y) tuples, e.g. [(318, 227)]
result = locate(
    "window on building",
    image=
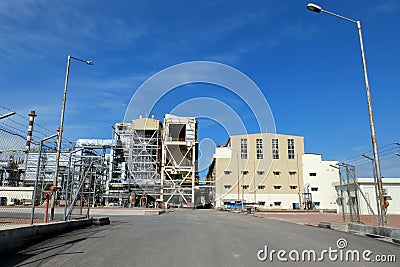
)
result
[(227, 172), (277, 187), (245, 186), (244, 172), (316, 204), (227, 186), (314, 189), (275, 148), (276, 173), (260, 172), (259, 148), (290, 148), (292, 173), (262, 187), (313, 174), (277, 203), (243, 148), (293, 187)]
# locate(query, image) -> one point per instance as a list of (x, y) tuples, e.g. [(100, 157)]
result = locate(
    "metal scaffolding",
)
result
[(84, 183), (179, 161), (136, 164)]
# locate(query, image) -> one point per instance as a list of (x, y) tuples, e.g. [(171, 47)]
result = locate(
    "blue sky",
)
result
[(307, 65)]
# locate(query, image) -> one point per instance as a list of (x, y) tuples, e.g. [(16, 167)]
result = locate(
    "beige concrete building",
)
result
[(263, 169)]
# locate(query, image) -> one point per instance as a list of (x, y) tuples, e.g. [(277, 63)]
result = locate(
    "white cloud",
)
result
[(388, 7)]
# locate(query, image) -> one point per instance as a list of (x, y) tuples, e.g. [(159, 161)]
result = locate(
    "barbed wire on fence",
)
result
[(13, 132), (367, 197), (389, 160)]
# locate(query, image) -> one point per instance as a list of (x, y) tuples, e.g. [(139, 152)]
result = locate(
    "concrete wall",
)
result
[(319, 175), (12, 240)]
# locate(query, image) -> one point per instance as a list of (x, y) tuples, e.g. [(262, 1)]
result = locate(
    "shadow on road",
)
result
[(41, 252)]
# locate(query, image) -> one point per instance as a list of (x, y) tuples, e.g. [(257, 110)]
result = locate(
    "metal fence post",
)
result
[(37, 174)]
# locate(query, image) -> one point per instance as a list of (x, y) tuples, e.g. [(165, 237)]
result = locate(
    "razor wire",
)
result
[(13, 133), (389, 159), (363, 167), (16, 195)]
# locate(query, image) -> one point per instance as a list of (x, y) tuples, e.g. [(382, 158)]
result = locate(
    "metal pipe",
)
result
[(376, 189), (348, 193), (238, 173), (341, 191), (243, 189), (254, 182), (68, 177), (37, 174), (67, 187)]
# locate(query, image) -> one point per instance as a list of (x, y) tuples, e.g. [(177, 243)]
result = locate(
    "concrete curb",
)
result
[(12, 240), (387, 234), (126, 212)]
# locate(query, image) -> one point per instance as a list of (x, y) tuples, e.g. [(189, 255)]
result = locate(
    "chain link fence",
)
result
[(18, 165), (358, 190)]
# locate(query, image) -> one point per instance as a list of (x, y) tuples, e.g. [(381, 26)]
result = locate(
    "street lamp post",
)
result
[(318, 9), (60, 129)]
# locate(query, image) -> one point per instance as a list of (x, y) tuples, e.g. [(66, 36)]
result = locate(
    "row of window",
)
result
[(259, 148), (262, 187), (279, 203), (276, 173)]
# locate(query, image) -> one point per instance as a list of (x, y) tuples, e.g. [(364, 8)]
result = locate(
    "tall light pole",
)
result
[(318, 9), (60, 129)]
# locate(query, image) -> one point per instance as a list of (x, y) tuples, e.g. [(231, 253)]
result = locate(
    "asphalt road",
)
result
[(200, 238)]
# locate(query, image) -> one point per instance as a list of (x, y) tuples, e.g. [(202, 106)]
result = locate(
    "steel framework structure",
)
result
[(179, 161), (136, 162)]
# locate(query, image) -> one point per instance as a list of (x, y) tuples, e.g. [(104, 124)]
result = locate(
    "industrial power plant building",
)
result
[(154, 163), (145, 164), (271, 171)]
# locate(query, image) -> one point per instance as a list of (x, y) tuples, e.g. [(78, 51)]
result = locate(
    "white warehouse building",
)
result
[(391, 193), (319, 176)]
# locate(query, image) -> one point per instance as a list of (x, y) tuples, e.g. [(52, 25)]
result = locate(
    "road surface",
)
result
[(203, 238)]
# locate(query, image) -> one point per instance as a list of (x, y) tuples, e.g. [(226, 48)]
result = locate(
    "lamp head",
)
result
[(314, 8), (89, 62)]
